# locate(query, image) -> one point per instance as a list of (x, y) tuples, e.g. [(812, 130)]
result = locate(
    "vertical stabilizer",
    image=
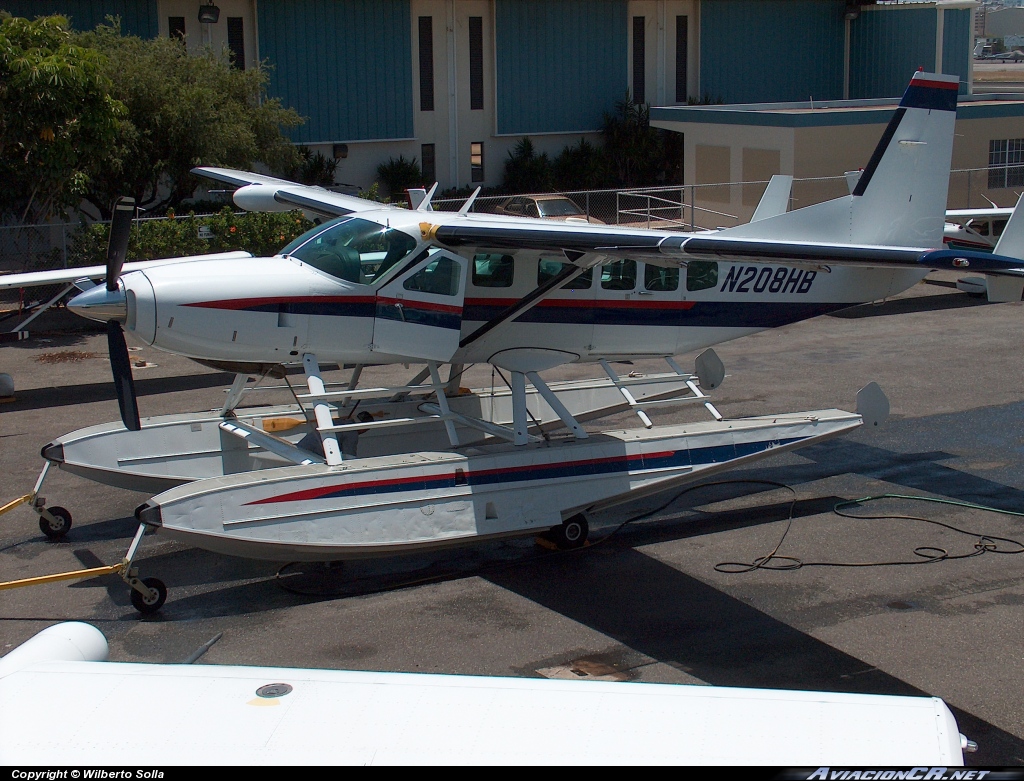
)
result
[(900, 197)]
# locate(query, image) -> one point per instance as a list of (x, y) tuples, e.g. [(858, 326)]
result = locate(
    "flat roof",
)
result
[(829, 112)]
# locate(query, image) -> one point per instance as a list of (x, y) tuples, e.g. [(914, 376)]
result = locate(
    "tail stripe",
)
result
[(883, 144)]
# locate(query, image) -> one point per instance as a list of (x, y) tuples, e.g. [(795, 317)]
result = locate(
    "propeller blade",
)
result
[(124, 384), (117, 246)]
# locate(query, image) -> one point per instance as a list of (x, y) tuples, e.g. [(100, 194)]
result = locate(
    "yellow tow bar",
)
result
[(148, 594), (17, 502), (75, 575)]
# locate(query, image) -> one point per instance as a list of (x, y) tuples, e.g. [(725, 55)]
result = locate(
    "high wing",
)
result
[(266, 194), (69, 275), (669, 247), (217, 714), (966, 214)]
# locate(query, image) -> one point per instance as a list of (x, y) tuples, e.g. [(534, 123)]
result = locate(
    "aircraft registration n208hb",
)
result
[(437, 467)]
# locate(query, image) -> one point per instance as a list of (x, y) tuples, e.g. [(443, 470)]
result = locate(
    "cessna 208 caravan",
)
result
[(438, 465)]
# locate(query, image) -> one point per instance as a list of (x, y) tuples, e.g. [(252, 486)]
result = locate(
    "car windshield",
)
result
[(560, 207), (352, 249)]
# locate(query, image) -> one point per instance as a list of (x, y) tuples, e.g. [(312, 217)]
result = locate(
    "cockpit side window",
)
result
[(352, 249)]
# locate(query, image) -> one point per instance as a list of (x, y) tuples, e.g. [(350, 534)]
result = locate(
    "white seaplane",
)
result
[(438, 465)]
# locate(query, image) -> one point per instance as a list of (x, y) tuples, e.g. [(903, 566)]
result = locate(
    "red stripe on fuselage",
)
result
[(586, 303), (246, 303), (416, 303)]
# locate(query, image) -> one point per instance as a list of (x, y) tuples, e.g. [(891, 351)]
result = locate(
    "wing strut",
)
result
[(571, 271)]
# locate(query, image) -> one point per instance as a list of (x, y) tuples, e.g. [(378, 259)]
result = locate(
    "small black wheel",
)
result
[(60, 525), (572, 533), (147, 604)]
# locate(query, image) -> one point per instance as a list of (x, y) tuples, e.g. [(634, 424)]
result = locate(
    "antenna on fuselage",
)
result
[(469, 202), (424, 204)]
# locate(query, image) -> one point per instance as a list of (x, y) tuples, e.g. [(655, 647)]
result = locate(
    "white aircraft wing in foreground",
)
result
[(61, 703)]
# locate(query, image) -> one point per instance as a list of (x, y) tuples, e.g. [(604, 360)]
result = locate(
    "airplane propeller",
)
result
[(120, 362)]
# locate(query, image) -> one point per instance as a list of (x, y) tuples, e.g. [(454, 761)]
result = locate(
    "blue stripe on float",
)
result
[(696, 457)]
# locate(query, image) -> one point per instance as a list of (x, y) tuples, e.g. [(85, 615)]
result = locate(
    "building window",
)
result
[(176, 27), (236, 42), (1006, 163), (429, 167), (682, 50), (639, 66), (476, 161), (476, 64), (426, 64)]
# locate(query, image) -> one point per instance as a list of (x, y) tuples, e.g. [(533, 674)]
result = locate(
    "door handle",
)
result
[(401, 311)]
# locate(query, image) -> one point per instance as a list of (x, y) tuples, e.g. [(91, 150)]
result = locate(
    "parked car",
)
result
[(551, 207)]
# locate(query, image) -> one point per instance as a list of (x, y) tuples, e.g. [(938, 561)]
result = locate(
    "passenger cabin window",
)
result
[(658, 279), (701, 274), (491, 270), (546, 269), (998, 226), (620, 275), (440, 277)]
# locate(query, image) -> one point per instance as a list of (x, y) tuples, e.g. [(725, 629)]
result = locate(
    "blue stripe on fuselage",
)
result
[(703, 314)]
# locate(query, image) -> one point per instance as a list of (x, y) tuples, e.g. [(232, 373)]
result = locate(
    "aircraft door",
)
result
[(419, 313)]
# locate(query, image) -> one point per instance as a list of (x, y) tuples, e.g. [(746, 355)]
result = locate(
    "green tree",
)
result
[(526, 171), (633, 148), (57, 117), (581, 166), (183, 111)]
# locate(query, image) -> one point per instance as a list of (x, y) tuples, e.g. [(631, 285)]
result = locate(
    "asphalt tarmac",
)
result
[(851, 607)]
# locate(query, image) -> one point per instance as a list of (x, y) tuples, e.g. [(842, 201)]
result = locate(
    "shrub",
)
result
[(399, 175), (260, 233)]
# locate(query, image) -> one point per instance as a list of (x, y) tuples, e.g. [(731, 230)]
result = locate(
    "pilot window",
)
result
[(492, 270), (351, 249), (978, 226), (701, 274), (998, 226), (546, 269), (620, 275), (659, 279), (441, 278)]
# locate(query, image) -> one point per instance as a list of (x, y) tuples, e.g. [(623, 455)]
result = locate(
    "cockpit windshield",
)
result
[(352, 249)]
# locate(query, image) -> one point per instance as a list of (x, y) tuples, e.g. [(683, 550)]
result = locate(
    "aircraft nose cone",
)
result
[(101, 304)]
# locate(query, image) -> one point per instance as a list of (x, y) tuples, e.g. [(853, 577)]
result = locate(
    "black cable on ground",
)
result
[(984, 543)]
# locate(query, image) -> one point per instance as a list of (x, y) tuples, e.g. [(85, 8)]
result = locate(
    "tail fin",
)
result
[(900, 197)]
